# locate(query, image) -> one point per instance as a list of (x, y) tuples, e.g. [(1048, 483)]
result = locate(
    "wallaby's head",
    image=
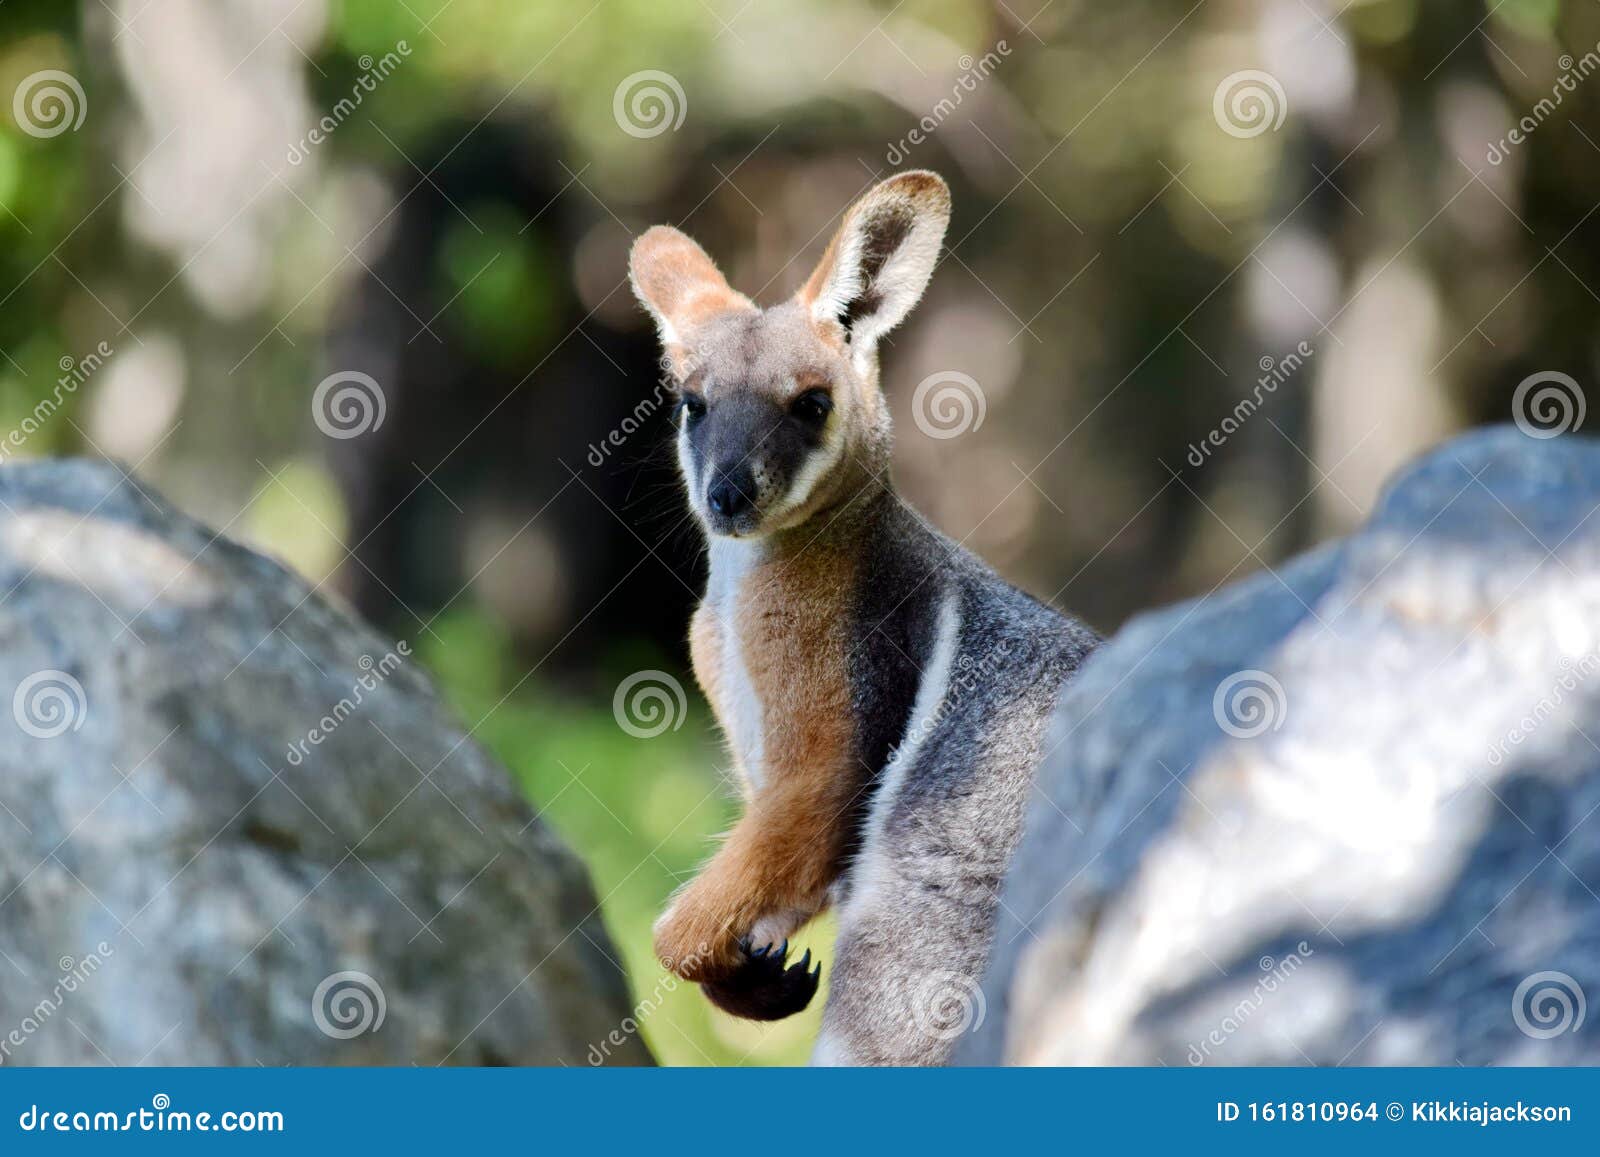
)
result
[(780, 415)]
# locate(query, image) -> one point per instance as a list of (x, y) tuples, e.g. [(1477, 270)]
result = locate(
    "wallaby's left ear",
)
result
[(879, 262), (679, 284)]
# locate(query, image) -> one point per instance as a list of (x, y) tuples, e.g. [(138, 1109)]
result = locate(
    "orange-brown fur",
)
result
[(683, 284), (785, 852), (790, 611)]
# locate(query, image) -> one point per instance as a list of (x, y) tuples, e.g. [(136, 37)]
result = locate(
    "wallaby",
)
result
[(884, 695)]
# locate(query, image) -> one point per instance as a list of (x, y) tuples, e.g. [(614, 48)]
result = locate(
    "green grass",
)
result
[(641, 813)]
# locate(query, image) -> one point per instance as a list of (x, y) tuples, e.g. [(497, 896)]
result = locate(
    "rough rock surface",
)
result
[(185, 873), (1348, 812)]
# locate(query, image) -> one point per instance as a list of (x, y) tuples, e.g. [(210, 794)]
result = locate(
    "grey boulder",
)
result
[(238, 828), (1347, 812)]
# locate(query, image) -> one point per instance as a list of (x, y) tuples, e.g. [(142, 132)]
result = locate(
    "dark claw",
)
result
[(763, 987)]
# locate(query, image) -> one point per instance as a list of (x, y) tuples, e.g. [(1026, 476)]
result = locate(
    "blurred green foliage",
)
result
[(640, 812), (1117, 262)]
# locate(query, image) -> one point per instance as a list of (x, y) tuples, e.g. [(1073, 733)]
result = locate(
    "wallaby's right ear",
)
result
[(879, 262), (680, 286)]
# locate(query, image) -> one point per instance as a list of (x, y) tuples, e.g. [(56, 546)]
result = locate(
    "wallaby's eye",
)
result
[(692, 407), (812, 407)]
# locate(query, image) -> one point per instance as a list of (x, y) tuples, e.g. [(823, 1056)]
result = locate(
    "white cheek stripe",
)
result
[(691, 482), (818, 465)]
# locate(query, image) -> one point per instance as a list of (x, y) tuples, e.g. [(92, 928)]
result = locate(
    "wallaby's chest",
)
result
[(719, 659), (770, 650)]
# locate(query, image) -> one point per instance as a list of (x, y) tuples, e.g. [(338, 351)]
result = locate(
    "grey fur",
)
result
[(918, 903)]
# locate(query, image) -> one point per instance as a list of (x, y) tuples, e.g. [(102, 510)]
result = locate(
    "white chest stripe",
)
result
[(731, 563), (744, 710)]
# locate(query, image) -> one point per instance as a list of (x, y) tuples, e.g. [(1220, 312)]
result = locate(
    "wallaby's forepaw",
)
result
[(695, 944), (763, 988)]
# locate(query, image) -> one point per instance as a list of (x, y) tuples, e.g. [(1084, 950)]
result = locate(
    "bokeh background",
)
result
[(1157, 202)]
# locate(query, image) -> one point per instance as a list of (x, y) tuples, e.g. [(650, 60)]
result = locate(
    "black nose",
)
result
[(732, 492)]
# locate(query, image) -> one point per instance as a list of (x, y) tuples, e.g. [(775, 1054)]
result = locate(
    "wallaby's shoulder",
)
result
[(906, 541)]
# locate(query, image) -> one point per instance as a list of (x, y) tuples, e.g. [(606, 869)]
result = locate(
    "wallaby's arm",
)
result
[(774, 871)]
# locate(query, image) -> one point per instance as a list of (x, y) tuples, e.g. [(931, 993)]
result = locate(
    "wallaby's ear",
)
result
[(680, 286), (879, 262)]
